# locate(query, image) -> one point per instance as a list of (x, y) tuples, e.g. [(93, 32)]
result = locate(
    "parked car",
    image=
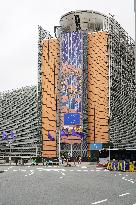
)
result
[(103, 162)]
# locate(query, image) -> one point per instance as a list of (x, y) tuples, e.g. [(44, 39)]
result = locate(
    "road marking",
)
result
[(61, 177), (123, 177), (23, 170), (14, 170), (25, 175), (124, 194), (98, 170), (132, 182), (92, 170), (83, 167), (98, 202), (134, 204), (120, 174), (78, 170), (63, 173), (85, 170), (5, 170), (71, 170)]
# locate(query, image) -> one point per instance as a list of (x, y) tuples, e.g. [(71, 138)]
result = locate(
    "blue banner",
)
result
[(71, 119), (95, 146)]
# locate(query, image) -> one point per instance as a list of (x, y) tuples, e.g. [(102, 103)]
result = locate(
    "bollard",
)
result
[(131, 167), (109, 166), (123, 166)]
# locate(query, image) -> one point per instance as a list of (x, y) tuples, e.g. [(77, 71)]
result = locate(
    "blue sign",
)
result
[(71, 119), (96, 146)]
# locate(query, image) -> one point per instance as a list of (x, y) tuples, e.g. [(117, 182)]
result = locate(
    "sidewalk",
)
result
[(86, 164)]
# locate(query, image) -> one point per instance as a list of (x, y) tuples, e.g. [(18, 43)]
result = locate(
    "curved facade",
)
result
[(83, 20), (19, 115)]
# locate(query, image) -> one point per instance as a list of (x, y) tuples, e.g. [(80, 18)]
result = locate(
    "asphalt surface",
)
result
[(53, 185)]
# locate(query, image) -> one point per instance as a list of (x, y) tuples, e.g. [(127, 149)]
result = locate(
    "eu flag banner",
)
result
[(96, 146), (12, 135), (50, 137), (63, 133), (72, 119), (4, 136)]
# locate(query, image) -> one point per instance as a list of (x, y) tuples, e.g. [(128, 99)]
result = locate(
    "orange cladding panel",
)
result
[(97, 87), (50, 66)]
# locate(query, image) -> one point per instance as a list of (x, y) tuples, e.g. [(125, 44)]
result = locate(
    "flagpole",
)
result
[(10, 152), (59, 147)]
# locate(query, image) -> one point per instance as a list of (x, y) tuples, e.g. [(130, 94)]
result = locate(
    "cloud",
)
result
[(19, 33)]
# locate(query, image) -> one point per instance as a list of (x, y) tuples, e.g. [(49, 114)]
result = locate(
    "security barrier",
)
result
[(121, 166)]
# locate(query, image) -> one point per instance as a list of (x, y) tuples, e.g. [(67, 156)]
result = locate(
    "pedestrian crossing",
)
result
[(32, 170)]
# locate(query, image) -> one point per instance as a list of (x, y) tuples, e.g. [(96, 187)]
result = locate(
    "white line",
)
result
[(134, 204), (124, 194), (78, 170), (98, 202), (5, 170), (92, 170), (14, 170), (98, 170), (85, 170), (63, 173), (61, 177), (71, 170), (84, 167)]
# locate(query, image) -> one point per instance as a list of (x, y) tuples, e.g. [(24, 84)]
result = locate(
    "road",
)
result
[(80, 185)]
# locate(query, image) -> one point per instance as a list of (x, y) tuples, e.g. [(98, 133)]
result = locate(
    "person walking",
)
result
[(16, 161), (79, 159)]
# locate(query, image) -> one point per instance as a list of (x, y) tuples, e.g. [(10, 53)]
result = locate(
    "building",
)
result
[(86, 93), (18, 114), (86, 84)]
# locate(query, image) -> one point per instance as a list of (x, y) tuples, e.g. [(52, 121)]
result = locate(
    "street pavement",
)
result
[(54, 185)]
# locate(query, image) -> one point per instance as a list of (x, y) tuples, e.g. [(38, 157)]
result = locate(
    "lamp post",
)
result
[(10, 152), (109, 153), (59, 147), (94, 124)]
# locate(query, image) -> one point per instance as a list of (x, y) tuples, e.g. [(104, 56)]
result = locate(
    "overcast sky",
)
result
[(19, 20)]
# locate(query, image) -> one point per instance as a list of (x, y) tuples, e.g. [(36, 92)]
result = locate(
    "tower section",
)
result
[(85, 77), (49, 81), (98, 80)]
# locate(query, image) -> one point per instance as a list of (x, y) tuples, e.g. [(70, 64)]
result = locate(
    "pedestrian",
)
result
[(62, 157), (43, 161), (79, 159), (74, 161), (16, 161)]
